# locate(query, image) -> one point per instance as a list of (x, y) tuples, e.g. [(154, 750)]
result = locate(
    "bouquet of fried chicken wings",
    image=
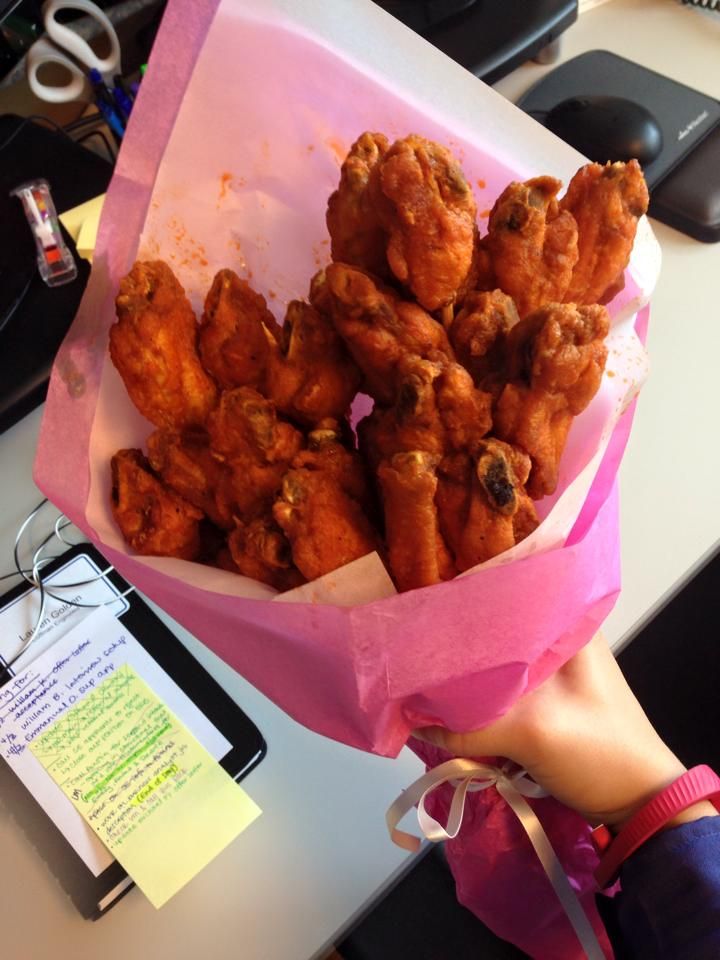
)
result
[(322, 382), (477, 351)]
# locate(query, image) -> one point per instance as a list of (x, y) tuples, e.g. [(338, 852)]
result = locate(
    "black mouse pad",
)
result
[(685, 116)]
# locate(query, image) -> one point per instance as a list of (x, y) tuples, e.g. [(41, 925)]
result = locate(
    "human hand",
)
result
[(583, 736)]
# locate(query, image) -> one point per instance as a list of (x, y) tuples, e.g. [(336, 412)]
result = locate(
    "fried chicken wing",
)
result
[(497, 495), (417, 553), (154, 520), (452, 498), (378, 327), (154, 348), (311, 375), (483, 507), (327, 451), (245, 421), (438, 411), (257, 448), (478, 334), (251, 489), (539, 422), (465, 412), (532, 243), (561, 349), (356, 235), (606, 202), (556, 366), (185, 463), (237, 332), (412, 423), (428, 211), (261, 551), (326, 527)]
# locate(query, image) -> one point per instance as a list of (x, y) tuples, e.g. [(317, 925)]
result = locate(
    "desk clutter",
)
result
[(65, 100), (76, 63), (119, 734)]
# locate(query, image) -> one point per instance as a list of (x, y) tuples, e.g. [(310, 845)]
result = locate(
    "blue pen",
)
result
[(100, 88), (110, 117), (105, 104), (121, 92), (122, 101)]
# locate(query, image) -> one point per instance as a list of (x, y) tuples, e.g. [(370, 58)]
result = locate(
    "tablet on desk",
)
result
[(76, 583)]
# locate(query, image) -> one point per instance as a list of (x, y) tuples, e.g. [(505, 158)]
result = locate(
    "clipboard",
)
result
[(94, 895)]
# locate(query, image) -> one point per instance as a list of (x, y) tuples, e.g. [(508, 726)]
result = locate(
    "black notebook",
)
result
[(239, 745)]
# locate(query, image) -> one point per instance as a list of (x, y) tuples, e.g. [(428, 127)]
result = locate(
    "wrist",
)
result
[(642, 793), (634, 783), (680, 802)]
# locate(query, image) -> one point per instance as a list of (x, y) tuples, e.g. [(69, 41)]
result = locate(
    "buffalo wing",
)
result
[(154, 348)]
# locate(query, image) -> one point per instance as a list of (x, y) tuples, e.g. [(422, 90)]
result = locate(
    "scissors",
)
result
[(48, 49)]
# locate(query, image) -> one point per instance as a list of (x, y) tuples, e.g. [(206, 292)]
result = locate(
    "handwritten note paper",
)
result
[(152, 793), (56, 680)]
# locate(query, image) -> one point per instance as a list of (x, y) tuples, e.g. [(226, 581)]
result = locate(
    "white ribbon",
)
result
[(513, 786)]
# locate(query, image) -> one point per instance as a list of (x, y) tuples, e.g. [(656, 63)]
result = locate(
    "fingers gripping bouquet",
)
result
[(348, 406)]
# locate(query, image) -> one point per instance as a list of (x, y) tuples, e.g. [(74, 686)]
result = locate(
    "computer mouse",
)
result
[(607, 128)]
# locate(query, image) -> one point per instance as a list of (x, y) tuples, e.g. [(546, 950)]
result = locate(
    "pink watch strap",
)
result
[(699, 783)]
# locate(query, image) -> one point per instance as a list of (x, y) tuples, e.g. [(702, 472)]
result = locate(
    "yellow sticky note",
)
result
[(82, 222), (151, 792)]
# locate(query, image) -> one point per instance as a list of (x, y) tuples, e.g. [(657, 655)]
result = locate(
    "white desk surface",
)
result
[(320, 853)]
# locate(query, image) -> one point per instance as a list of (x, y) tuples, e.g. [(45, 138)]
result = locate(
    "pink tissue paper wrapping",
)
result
[(232, 150)]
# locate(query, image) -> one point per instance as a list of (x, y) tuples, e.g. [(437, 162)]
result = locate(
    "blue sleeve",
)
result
[(669, 907)]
